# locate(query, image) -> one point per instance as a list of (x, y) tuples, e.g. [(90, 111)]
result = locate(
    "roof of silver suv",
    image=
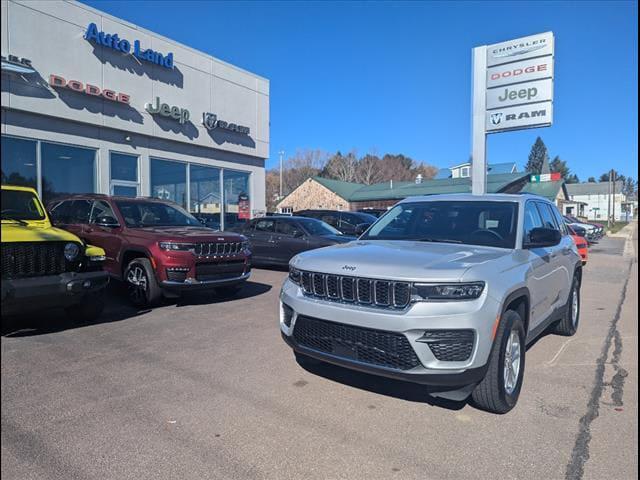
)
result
[(491, 197)]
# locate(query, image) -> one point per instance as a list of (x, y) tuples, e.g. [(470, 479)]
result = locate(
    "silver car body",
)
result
[(543, 275)]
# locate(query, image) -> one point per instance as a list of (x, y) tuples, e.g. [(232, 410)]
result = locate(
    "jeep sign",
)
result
[(523, 116), (519, 94)]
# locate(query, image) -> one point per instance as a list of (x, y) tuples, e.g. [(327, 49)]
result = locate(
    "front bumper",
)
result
[(412, 322), (193, 284), (35, 293)]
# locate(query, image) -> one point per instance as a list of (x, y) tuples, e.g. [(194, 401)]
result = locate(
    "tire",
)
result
[(142, 286), (89, 309), (568, 324), (229, 290), (495, 393)]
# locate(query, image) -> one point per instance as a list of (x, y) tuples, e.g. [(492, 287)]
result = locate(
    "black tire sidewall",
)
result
[(149, 297), (511, 320)]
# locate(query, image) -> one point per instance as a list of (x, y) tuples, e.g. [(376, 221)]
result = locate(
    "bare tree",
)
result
[(368, 170), (342, 167), (304, 164)]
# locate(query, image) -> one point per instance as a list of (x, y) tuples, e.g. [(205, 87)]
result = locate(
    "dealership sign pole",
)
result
[(512, 90)]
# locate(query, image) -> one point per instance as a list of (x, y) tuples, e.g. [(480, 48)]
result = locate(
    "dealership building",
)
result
[(92, 103)]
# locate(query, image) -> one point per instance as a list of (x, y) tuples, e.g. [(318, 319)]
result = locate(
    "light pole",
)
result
[(281, 152)]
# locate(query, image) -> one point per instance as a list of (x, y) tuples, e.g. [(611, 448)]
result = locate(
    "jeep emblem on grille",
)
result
[(348, 267)]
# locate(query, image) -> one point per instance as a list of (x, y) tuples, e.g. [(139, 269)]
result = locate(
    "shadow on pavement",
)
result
[(117, 308), (412, 392)]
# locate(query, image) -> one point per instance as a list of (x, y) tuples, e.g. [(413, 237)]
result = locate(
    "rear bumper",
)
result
[(28, 294)]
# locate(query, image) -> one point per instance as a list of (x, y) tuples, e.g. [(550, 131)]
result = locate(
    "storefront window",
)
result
[(236, 198), (19, 162), (66, 170), (124, 174), (169, 181), (204, 191)]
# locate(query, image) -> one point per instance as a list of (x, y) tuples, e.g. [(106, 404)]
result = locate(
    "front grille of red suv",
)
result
[(209, 249)]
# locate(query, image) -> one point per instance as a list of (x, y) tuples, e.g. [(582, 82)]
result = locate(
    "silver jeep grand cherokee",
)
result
[(445, 291)]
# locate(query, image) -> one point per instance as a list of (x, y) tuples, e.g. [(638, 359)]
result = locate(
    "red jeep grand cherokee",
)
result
[(155, 246)]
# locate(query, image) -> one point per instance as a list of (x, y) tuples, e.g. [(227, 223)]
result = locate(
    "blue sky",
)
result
[(396, 77)]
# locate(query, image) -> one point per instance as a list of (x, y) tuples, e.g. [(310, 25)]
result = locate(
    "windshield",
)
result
[(21, 205), (318, 227), (491, 224), (155, 214)]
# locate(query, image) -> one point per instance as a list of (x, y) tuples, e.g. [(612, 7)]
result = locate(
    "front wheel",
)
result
[(142, 286), (499, 390), (568, 324)]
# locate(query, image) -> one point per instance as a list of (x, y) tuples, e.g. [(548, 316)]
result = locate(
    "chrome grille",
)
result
[(210, 249), (364, 291)]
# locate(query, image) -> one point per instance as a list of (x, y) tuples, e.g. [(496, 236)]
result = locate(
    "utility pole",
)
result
[(281, 152), (613, 199), (609, 202)]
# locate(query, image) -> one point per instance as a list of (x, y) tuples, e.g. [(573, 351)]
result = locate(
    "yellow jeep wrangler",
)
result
[(43, 266)]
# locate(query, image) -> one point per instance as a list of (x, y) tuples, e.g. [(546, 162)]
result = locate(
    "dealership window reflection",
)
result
[(66, 170), (236, 197), (124, 174), (169, 181), (205, 195), (19, 161)]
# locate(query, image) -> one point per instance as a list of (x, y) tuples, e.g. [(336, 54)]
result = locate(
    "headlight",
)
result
[(451, 291), (294, 275), (71, 251), (177, 246)]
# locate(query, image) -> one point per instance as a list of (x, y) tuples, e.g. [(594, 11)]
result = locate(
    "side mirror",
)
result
[(361, 228), (107, 221), (543, 237)]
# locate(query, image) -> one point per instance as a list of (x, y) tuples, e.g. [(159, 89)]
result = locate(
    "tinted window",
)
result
[(79, 211), (169, 181), (531, 220), (60, 212), (66, 170), (125, 191), (560, 221), (286, 228), (330, 218), (547, 217), (353, 220), (17, 205), (101, 209), (468, 222), (265, 225), (124, 167), (19, 161), (317, 227)]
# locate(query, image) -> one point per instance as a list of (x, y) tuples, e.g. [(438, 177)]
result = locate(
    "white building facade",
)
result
[(92, 103), (596, 199)]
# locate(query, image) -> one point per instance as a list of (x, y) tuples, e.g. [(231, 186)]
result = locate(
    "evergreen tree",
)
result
[(560, 166), (591, 179), (538, 157)]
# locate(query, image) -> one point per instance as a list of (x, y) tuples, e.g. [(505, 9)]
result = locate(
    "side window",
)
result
[(265, 225), (548, 221), (330, 218), (79, 211), (351, 220), (101, 209), (60, 212), (531, 220), (560, 221), (285, 228)]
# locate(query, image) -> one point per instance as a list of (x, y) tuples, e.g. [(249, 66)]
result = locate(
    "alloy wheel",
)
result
[(575, 307), (137, 281), (512, 360)]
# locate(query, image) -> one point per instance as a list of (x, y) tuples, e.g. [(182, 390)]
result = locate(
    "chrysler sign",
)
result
[(520, 49)]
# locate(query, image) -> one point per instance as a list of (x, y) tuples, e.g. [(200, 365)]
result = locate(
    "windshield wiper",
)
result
[(437, 240)]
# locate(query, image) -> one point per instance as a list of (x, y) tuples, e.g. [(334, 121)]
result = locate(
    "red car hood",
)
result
[(185, 234)]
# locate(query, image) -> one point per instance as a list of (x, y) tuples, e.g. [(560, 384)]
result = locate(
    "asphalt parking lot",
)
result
[(205, 388)]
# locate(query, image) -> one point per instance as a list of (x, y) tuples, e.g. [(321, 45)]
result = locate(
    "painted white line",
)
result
[(555, 357)]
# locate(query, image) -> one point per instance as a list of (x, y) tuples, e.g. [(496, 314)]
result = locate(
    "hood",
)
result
[(35, 232), (398, 259), (185, 234)]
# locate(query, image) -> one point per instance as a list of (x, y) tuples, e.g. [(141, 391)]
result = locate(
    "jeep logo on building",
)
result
[(164, 110)]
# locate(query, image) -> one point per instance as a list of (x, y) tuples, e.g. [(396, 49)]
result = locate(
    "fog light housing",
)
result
[(287, 314)]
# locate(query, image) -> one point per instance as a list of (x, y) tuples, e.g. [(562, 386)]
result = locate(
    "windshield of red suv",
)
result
[(155, 214), (492, 224)]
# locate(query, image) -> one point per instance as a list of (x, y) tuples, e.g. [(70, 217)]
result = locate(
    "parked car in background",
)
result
[(594, 231), (376, 212), (156, 246), (590, 230), (347, 223), (443, 290), (275, 240), (45, 267), (581, 243)]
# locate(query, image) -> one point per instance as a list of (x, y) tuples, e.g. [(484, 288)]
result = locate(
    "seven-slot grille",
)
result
[(209, 249), (219, 271), (25, 259), (367, 345), (364, 291)]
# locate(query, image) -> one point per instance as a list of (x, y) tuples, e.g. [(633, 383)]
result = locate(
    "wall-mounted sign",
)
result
[(546, 177), (523, 116), (124, 46), (520, 94), (14, 64), (164, 110), (244, 210), (88, 89), (210, 121)]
